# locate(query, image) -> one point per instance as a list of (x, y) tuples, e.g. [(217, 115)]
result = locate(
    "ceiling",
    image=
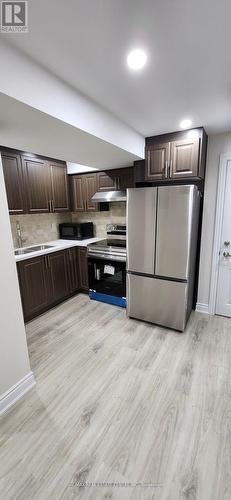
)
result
[(24, 127), (85, 42)]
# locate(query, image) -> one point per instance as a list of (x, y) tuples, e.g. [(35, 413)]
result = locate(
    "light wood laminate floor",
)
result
[(120, 401)]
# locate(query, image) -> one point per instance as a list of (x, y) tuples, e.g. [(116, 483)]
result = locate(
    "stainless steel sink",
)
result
[(23, 251)]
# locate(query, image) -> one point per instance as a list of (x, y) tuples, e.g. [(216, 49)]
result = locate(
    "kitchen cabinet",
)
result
[(33, 281), (158, 159), (59, 187), (90, 190), (116, 179), (77, 193), (73, 258), (47, 186), (14, 181), (38, 184), (34, 184), (58, 276), (83, 269), (47, 280), (125, 178), (83, 187), (179, 155), (106, 181), (43, 281), (184, 158), (139, 171)]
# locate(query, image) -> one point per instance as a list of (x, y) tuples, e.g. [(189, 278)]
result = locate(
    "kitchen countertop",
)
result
[(57, 245)]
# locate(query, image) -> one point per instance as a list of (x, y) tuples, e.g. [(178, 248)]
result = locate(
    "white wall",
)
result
[(217, 145), (14, 361)]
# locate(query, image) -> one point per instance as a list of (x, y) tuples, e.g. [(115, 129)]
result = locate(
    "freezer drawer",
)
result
[(157, 301), (141, 228), (177, 215)]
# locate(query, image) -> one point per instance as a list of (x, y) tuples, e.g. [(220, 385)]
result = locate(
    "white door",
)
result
[(223, 301)]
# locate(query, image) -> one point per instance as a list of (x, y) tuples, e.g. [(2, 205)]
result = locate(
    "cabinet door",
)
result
[(106, 181), (73, 265), (34, 286), (77, 193), (125, 178), (184, 158), (83, 269), (13, 175), (60, 197), (58, 276), (38, 184), (157, 161), (90, 190)]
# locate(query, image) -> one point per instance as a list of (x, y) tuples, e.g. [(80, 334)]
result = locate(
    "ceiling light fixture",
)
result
[(136, 59), (186, 123)]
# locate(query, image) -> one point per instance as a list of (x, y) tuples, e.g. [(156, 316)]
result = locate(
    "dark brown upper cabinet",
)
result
[(184, 158), (158, 159), (14, 181), (90, 190), (124, 178), (59, 187), (38, 185), (77, 193), (83, 187), (179, 155), (116, 179), (107, 181), (34, 184)]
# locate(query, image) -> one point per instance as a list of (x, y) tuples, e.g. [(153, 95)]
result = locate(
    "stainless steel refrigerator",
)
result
[(162, 233)]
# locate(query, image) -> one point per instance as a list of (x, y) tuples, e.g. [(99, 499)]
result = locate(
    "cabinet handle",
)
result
[(165, 170), (118, 183), (49, 205), (52, 205), (170, 168)]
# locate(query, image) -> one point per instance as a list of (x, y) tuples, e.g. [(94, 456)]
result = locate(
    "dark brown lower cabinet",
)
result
[(33, 281), (47, 280), (58, 276), (73, 258), (83, 269)]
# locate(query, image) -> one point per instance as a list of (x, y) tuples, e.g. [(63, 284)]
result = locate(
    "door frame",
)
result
[(223, 163)]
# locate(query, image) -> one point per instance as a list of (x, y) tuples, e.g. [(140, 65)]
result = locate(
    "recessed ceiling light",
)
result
[(136, 59), (186, 123)]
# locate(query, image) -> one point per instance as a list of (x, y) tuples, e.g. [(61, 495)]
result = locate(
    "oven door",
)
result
[(107, 280)]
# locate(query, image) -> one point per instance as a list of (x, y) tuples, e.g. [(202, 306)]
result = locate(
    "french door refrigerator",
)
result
[(162, 229)]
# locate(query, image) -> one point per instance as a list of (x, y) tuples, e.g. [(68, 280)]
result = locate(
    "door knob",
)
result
[(226, 254)]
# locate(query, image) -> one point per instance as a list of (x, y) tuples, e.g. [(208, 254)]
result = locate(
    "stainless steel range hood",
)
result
[(108, 196)]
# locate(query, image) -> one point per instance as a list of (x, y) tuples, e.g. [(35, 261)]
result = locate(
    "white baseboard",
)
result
[(202, 308), (10, 397)]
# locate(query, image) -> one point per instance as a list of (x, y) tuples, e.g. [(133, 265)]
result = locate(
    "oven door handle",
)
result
[(113, 258)]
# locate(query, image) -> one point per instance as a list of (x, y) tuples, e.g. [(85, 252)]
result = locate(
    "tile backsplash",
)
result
[(116, 215), (39, 228)]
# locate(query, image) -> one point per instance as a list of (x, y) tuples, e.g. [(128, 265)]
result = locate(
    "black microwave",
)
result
[(76, 230)]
